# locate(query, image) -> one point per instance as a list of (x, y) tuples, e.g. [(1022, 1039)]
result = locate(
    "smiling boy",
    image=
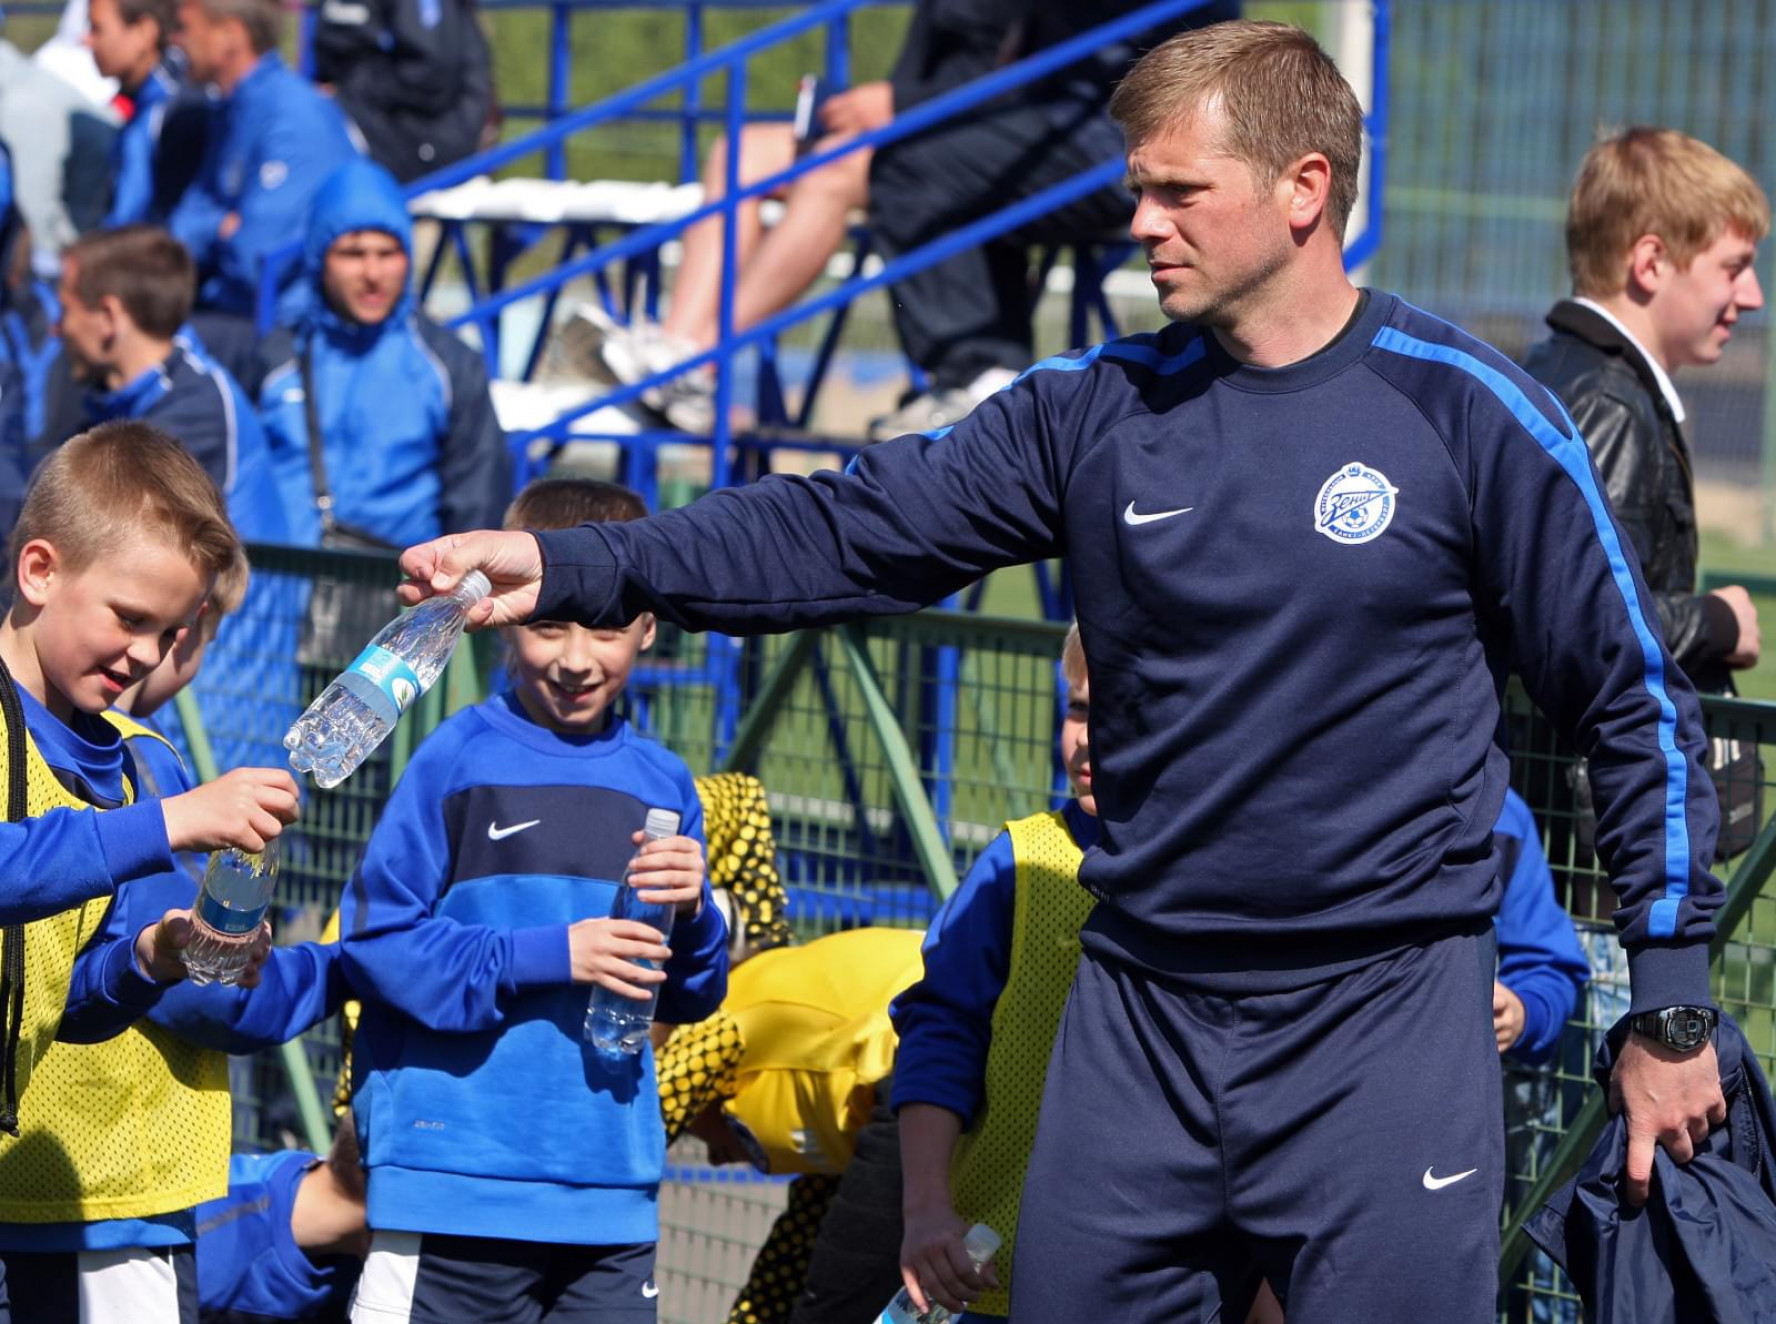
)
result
[(508, 1162)]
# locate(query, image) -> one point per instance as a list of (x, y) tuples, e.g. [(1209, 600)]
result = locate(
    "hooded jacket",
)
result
[(1704, 1247), (410, 442)]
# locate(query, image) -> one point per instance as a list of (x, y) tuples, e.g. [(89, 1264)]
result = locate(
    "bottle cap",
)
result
[(473, 588), (981, 1243), (660, 823)]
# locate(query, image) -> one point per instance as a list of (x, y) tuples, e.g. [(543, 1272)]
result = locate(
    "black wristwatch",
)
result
[(1681, 1029)]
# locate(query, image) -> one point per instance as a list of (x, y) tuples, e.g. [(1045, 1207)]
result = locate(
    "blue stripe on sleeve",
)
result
[(1570, 454), (1130, 349)]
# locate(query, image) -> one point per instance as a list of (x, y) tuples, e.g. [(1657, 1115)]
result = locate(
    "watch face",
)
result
[(1686, 1030)]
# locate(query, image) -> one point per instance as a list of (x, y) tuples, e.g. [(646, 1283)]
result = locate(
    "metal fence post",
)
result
[(903, 769)]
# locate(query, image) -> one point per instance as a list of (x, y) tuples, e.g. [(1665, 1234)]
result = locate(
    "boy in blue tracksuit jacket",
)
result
[(1541, 965), (504, 1151)]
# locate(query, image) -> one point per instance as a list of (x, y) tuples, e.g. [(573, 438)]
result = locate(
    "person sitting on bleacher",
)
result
[(376, 415), (125, 295), (274, 139), (966, 321), (128, 40), (946, 46)]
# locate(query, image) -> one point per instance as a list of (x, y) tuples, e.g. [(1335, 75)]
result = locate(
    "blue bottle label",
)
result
[(225, 920), (391, 677)]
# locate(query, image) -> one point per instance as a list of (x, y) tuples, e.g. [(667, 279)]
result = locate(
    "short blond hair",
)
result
[(226, 595), (1281, 98), (1073, 656), (122, 478), (1640, 181)]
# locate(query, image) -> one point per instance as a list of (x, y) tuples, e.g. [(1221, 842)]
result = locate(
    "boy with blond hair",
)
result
[(64, 1227), (514, 1171), (1661, 234), (117, 549)]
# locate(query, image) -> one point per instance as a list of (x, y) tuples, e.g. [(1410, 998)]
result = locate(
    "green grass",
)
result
[(1724, 555)]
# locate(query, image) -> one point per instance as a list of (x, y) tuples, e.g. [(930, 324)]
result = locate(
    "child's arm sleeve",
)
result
[(1540, 959), (108, 992), (945, 1021), (66, 857), (444, 974), (299, 987), (697, 970)]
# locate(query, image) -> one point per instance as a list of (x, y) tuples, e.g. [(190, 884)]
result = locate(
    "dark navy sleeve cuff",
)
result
[(933, 1092), (133, 841), (579, 573), (541, 957), (1669, 976)]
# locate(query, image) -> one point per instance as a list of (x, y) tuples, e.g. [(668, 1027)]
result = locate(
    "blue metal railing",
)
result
[(731, 62)]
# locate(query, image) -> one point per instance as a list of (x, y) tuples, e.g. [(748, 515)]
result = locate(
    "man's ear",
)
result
[(117, 318), (1309, 185), (647, 630), (1649, 264), (38, 566)]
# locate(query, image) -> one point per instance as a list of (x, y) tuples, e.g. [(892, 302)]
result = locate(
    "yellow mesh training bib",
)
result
[(50, 943), (133, 1127), (987, 1172)]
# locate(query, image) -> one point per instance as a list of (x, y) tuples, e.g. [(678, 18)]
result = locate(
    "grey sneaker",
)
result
[(924, 413), (579, 343)]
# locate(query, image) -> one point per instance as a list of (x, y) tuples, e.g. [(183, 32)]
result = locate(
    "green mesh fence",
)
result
[(892, 753)]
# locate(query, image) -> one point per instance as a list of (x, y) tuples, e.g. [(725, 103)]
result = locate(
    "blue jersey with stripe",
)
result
[(1301, 590)]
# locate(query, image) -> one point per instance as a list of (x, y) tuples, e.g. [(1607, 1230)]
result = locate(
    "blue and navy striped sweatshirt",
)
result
[(1301, 591), (480, 1108)]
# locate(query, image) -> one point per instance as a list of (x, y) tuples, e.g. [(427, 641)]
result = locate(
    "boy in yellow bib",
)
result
[(115, 552), (976, 1031)]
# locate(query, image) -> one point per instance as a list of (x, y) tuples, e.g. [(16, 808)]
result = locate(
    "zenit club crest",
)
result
[(1355, 504)]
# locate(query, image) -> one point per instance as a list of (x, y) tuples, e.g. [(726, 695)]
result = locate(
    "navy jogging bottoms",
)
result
[(1343, 1139)]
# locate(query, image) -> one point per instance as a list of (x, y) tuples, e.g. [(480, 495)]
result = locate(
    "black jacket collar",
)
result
[(1596, 330)]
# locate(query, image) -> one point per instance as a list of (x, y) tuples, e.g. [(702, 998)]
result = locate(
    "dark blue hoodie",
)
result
[(412, 447)]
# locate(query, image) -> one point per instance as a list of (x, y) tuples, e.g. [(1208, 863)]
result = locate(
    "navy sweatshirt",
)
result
[(1301, 591)]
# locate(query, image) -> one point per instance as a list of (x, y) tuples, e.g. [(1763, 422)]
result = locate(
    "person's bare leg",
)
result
[(696, 293), (795, 251)]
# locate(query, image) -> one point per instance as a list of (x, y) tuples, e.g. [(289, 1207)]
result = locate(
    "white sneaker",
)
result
[(636, 353)]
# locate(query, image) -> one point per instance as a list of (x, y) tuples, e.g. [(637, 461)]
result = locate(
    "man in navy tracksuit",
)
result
[(1312, 530)]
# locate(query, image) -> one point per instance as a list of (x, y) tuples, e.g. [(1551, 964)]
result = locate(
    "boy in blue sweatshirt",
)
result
[(514, 1171)]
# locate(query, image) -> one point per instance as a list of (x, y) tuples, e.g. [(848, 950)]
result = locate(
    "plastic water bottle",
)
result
[(616, 1024), (355, 713), (231, 903), (981, 1243)]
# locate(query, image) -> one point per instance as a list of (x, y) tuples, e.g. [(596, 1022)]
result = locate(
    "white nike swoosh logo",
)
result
[(497, 833), (650, 1291), (1133, 518), (1438, 1183)]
